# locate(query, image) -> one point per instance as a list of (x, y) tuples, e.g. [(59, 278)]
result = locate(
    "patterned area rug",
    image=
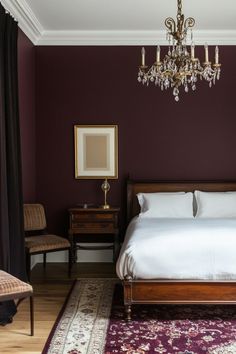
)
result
[(91, 322)]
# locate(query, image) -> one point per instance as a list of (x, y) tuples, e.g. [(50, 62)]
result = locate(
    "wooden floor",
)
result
[(50, 290)]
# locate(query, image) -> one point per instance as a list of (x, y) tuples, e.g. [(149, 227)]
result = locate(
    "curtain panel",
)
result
[(12, 257)]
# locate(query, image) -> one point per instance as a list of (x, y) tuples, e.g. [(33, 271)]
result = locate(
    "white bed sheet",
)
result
[(179, 249)]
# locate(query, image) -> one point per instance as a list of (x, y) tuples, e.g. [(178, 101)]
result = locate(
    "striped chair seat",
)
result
[(13, 288), (43, 243)]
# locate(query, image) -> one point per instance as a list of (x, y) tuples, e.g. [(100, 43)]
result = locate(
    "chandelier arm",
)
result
[(171, 25), (189, 22)]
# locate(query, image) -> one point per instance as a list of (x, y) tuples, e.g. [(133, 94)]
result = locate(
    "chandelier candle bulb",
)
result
[(206, 53), (143, 56), (192, 51), (158, 54), (217, 55)]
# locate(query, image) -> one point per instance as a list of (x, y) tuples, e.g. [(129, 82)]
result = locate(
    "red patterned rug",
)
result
[(91, 322)]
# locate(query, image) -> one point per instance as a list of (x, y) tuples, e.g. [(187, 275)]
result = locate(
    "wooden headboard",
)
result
[(134, 187)]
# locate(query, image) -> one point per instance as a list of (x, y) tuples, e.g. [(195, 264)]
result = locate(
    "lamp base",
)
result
[(106, 206)]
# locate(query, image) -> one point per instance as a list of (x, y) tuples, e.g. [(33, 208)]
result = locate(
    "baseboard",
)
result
[(83, 256), (34, 261)]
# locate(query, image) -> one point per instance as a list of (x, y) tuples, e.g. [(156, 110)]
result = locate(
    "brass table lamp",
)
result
[(105, 188)]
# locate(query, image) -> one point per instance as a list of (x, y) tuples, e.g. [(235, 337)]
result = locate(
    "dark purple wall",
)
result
[(158, 138), (26, 74)]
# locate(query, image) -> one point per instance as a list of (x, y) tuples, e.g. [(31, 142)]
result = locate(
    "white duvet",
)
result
[(179, 249)]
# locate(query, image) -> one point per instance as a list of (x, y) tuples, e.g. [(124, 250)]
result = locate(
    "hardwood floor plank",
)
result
[(51, 287)]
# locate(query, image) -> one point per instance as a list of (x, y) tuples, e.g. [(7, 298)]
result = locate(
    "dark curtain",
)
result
[(12, 257)]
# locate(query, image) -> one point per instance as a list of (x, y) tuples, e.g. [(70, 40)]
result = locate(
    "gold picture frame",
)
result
[(96, 151)]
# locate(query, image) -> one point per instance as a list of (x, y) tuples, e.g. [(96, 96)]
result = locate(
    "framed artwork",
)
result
[(96, 151)]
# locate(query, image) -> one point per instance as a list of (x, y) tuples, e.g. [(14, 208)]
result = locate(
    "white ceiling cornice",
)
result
[(31, 26), (121, 38), (27, 20)]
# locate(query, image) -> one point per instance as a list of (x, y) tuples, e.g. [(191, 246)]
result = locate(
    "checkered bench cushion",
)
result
[(13, 288)]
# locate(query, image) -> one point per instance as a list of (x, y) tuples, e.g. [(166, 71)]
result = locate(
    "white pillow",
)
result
[(215, 204), (166, 205)]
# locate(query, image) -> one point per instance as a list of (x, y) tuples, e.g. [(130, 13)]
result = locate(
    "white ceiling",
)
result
[(120, 22)]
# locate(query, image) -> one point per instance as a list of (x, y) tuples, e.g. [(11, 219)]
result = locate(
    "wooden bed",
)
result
[(174, 291)]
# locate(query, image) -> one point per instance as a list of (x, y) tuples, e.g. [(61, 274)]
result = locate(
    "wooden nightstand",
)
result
[(94, 225)]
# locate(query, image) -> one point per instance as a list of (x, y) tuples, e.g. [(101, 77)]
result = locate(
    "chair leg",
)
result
[(69, 262), (44, 260), (28, 265), (31, 315)]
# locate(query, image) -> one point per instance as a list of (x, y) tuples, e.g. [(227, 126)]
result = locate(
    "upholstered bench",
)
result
[(12, 288)]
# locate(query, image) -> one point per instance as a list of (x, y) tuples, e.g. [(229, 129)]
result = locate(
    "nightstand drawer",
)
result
[(105, 216), (90, 227), (92, 216), (81, 216)]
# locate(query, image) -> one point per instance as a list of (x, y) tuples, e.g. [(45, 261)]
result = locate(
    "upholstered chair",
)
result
[(38, 240), (12, 288)]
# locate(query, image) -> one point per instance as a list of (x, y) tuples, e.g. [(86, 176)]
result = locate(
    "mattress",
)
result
[(194, 249)]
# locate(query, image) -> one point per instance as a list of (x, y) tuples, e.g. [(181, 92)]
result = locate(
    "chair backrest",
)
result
[(34, 217)]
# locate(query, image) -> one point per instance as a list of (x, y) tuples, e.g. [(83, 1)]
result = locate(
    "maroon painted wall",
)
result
[(194, 139), (26, 75)]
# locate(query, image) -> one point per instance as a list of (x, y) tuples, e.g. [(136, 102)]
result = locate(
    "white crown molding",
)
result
[(31, 26), (214, 37), (123, 38), (27, 20)]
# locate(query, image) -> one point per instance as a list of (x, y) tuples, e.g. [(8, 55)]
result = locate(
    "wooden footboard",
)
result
[(177, 292)]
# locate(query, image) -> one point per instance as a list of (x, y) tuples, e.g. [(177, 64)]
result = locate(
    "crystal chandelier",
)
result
[(179, 67)]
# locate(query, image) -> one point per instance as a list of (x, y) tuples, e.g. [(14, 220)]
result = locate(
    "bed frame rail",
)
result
[(177, 292)]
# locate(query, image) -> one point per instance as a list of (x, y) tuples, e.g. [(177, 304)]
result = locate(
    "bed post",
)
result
[(128, 297)]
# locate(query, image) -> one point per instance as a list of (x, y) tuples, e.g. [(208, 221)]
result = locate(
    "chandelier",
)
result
[(179, 66)]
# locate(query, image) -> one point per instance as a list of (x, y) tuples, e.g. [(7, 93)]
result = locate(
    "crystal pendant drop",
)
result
[(177, 98), (175, 91)]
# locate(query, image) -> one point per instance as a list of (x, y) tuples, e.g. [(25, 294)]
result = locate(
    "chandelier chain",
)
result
[(179, 8)]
